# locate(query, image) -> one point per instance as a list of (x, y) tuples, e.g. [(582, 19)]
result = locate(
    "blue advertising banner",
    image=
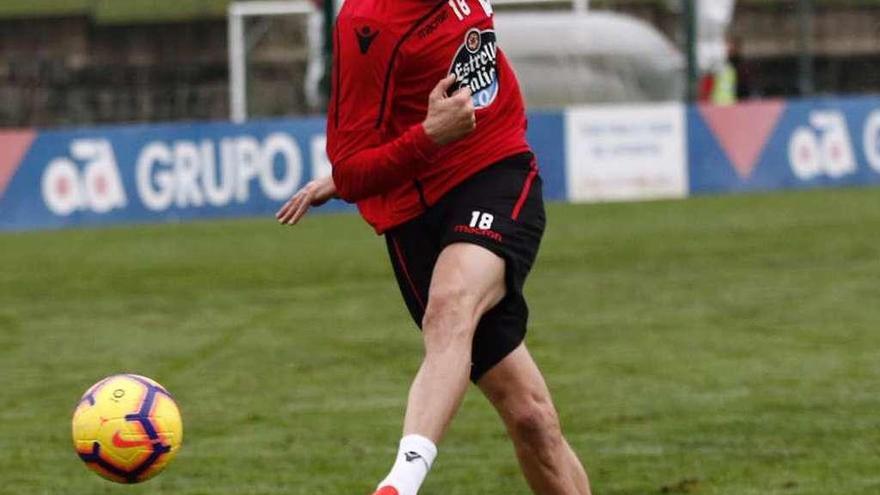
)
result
[(156, 173), (134, 174), (546, 135), (769, 145)]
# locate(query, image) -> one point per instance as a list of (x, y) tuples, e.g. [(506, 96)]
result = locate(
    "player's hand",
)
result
[(315, 193), (450, 118)]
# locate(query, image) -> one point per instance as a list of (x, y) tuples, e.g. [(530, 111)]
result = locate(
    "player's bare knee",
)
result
[(536, 423), (449, 316), (443, 338)]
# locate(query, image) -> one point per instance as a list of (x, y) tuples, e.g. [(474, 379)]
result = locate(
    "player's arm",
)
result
[(364, 162), (448, 119), (315, 193), (370, 171)]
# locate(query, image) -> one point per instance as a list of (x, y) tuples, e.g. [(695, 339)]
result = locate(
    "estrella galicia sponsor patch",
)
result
[(476, 65)]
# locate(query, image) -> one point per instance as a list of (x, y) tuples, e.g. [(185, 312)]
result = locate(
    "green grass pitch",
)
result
[(712, 346)]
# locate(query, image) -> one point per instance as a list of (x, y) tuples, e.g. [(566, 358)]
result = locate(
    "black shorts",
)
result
[(501, 208)]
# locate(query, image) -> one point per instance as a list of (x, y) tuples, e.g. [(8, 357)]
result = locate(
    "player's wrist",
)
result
[(324, 189), (431, 132), (429, 137)]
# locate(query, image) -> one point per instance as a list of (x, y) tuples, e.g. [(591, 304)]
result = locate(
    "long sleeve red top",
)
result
[(388, 56)]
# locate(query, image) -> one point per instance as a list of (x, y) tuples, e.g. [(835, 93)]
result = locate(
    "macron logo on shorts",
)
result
[(491, 234)]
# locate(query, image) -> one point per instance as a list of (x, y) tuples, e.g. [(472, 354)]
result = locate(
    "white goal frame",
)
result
[(238, 12), (576, 5)]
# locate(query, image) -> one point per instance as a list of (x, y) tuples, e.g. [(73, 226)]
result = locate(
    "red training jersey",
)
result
[(388, 56)]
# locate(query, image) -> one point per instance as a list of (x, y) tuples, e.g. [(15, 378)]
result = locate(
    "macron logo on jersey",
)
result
[(366, 35)]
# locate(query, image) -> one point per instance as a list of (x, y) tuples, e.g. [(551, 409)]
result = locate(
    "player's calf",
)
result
[(517, 390)]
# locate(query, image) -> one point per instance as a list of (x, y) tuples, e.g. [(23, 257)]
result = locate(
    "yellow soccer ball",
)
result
[(127, 428)]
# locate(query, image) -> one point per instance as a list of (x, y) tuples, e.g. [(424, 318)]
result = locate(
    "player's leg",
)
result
[(517, 390), (454, 265), (467, 281)]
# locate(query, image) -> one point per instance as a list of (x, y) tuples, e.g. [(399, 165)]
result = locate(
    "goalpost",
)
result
[(576, 5), (238, 48)]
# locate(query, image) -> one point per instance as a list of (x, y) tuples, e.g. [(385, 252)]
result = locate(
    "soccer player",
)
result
[(426, 133)]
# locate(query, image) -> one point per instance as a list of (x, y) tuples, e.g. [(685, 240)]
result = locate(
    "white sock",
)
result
[(414, 459)]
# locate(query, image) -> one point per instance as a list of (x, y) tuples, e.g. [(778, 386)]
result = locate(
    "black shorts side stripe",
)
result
[(402, 262)]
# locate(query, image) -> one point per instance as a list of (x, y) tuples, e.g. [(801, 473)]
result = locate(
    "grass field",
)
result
[(712, 346)]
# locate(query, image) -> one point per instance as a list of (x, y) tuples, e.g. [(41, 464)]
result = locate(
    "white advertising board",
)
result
[(629, 152)]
